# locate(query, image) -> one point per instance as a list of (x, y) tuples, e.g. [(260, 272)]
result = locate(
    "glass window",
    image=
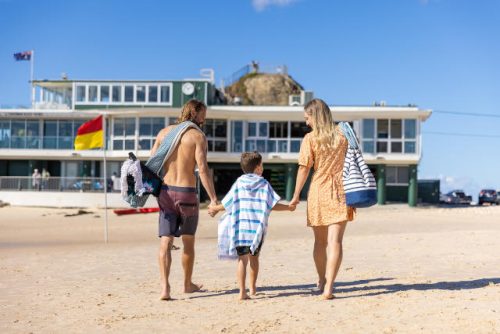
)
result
[(410, 147), (129, 144), (237, 129), (145, 144), (77, 124), (402, 175), (220, 128), (381, 147), (104, 93), (382, 128), (368, 128), (278, 129), (299, 129), (129, 93), (410, 128), (208, 128), (65, 143), (118, 127), (250, 145), (368, 146), (92, 93), (65, 128), (158, 124), (153, 94), (220, 146), (261, 145), (252, 129), (117, 144), (4, 134), (396, 147), (33, 128), (117, 94), (282, 146), (80, 93), (271, 146), (140, 92), (145, 127), (18, 128), (391, 174), (129, 126), (165, 94), (295, 146), (396, 128), (262, 129)]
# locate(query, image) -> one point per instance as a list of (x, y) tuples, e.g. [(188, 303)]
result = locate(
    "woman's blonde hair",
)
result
[(323, 129), (190, 109)]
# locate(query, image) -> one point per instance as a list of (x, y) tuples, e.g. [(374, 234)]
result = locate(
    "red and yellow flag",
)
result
[(90, 135)]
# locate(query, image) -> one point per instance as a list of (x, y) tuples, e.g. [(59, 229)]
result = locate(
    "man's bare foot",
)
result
[(193, 288), (327, 297), (165, 294), (244, 296)]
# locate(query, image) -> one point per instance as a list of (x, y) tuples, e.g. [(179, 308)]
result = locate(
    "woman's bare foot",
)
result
[(321, 285), (253, 291), (165, 294), (192, 288), (244, 296)]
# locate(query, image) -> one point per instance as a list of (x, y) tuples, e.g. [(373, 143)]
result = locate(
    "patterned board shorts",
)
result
[(179, 210)]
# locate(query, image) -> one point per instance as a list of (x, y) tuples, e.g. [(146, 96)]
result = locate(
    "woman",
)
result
[(327, 213)]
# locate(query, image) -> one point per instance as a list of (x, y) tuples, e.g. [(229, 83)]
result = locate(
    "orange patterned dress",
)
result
[(326, 198)]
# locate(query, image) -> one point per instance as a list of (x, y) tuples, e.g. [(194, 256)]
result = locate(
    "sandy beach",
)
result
[(405, 270)]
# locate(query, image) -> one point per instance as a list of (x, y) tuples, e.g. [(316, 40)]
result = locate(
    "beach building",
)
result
[(41, 137)]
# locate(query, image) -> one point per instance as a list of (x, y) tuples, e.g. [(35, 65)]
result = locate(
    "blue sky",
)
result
[(438, 54)]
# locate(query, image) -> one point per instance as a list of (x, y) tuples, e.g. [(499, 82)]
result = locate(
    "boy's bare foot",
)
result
[(244, 296), (165, 294), (193, 288)]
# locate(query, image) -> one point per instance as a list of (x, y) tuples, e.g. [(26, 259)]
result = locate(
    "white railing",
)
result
[(81, 184)]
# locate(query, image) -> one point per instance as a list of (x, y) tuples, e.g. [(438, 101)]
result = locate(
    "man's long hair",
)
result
[(323, 126), (190, 110)]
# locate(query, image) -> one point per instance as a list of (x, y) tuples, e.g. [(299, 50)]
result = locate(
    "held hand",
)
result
[(294, 201), (212, 211), (291, 207)]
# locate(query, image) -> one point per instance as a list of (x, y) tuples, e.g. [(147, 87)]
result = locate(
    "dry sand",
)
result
[(405, 270)]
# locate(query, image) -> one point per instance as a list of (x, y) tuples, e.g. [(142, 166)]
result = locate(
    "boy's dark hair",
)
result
[(250, 161)]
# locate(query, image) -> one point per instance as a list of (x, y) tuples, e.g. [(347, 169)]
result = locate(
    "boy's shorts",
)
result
[(244, 250), (179, 209)]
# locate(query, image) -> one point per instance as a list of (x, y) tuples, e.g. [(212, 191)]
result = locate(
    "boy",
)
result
[(242, 229)]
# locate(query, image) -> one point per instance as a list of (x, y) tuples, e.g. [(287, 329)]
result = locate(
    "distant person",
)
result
[(115, 181), (324, 149), (178, 200), (248, 205), (45, 178), (36, 178)]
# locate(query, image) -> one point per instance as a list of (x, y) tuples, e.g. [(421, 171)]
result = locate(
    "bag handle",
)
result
[(349, 134)]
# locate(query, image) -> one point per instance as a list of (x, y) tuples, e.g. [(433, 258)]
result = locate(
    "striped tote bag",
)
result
[(359, 184)]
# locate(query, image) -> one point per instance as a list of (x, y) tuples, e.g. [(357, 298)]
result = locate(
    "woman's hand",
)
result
[(295, 200)]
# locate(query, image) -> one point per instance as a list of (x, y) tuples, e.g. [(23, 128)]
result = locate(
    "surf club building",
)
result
[(42, 136)]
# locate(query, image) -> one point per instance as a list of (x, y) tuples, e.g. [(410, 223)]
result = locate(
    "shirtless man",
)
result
[(178, 199)]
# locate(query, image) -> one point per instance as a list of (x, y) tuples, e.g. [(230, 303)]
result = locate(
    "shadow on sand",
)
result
[(354, 286)]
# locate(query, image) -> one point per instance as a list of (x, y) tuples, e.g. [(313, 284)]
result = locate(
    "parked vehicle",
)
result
[(488, 196), (455, 197)]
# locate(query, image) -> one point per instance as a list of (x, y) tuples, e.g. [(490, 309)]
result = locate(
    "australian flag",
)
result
[(26, 55)]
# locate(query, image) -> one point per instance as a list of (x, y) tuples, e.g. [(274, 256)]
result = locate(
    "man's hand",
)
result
[(212, 209)]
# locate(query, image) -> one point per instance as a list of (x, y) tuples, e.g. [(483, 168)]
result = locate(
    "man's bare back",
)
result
[(181, 164)]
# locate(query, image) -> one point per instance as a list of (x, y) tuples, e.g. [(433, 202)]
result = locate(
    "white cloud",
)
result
[(260, 5)]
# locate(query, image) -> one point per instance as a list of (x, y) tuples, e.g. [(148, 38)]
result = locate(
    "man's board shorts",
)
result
[(179, 208)]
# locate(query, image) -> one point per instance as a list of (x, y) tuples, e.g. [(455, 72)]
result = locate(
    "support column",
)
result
[(381, 189), (412, 185), (291, 175)]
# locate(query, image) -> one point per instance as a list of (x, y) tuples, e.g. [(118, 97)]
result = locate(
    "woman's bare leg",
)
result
[(254, 272), (319, 253), (335, 236)]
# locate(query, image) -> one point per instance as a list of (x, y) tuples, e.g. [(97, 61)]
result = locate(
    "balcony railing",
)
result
[(81, 184)]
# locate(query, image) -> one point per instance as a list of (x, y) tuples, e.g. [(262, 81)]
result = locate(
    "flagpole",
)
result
[(32, 63), (105, 181)]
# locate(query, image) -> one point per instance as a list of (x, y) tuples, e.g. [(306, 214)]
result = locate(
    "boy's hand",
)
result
[(212, 211), (292, 207)]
